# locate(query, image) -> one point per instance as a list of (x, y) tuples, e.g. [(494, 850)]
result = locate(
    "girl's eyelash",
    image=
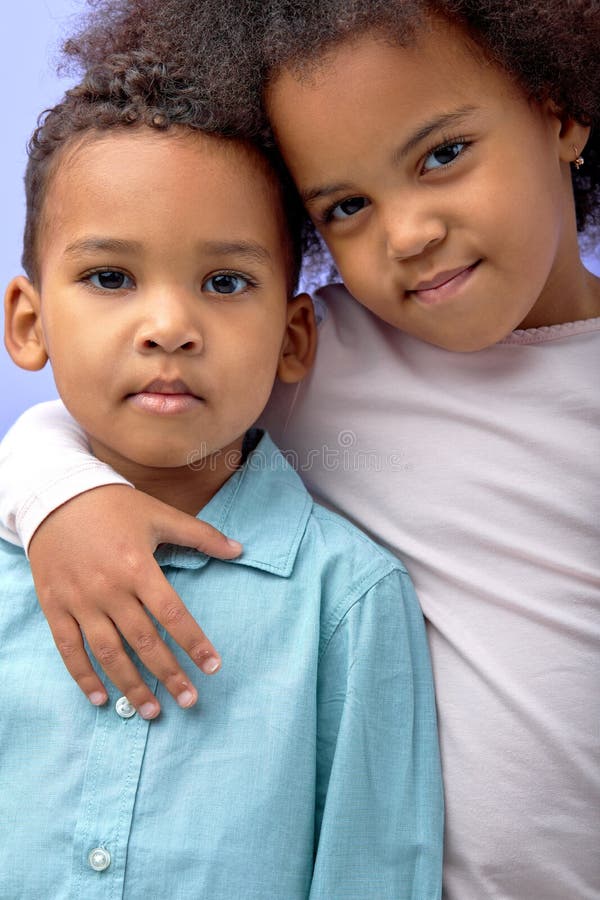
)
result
[(447, 142), (327, 215)]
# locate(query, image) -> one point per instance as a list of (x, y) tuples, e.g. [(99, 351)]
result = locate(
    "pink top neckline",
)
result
[(551, 332)]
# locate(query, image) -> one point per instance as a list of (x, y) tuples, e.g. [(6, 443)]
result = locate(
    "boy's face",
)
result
[(442, 193), (163, 294)]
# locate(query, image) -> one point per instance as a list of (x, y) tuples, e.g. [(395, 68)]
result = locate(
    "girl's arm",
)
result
[(379, 821), (90, 538)]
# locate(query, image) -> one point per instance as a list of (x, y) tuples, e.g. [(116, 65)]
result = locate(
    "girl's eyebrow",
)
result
[(423, 131), (325, 190)]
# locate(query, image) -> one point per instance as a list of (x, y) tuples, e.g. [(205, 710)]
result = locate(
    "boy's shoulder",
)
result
[(266, 506), (349, 565), (12, 557), (282, 505), (318, 543), (16, 580), (340, 535)]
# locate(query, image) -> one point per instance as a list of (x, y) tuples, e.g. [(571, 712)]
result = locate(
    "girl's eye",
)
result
[(443, 156), (226, 283), (347, 208), (109, 280)]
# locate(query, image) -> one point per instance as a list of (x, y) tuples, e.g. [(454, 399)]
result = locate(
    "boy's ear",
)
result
[(300, 341), (23, 336)]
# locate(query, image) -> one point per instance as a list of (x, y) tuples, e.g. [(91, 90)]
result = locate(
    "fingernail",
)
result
[(148, 711), (235, 545), (186, 698), (97, 698), (210, 665)]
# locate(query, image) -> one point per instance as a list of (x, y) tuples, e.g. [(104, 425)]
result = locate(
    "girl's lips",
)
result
[(164, 404), (444, 286)]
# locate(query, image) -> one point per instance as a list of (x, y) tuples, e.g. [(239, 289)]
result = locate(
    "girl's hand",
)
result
[(94, 572)]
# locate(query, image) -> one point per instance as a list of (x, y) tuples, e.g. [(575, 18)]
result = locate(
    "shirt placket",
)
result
[(108, 796)]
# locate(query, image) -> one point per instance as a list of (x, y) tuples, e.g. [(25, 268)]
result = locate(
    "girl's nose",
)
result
[(171, 325), (409, 232)]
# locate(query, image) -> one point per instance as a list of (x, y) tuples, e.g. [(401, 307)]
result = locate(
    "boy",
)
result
[(161, 259)]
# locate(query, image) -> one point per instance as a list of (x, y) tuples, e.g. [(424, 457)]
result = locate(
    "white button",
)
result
[(124, 708), (99, 859)]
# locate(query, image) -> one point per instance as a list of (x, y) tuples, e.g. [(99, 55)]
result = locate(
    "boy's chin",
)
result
[(152, 455)]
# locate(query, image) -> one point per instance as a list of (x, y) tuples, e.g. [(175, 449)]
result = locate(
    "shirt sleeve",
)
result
[(45, 460), (379, 820)]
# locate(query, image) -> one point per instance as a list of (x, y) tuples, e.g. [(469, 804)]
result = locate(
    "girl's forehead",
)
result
[(437, 46), (439, 70)]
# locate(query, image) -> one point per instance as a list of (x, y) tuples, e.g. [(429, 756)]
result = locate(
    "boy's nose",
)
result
[(409, 232), (170, 326)]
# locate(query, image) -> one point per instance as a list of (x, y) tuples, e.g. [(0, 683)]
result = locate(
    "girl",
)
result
[(444, 153)]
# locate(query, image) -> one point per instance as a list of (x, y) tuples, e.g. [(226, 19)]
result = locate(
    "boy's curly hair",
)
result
[(234, 46), (135, 89)]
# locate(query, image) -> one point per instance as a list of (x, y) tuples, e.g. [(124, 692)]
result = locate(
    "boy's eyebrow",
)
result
[(248, 249), (98, 244), (423, 132)]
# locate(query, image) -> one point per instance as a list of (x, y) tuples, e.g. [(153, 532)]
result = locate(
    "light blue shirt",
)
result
[(309, 767)]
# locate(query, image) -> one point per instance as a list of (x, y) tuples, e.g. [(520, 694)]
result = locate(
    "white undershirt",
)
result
[(482, 471)]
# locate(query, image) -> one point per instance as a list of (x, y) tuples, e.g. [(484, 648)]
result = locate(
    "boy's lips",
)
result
[(164, 397), (443, 285)]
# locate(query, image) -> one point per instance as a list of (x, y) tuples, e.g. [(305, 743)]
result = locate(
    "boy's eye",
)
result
[(109, 280), (226, 283), (347, 208), (443, 156)]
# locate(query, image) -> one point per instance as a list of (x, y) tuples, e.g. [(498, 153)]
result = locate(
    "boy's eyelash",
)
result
[(85, 278), (252, 282)]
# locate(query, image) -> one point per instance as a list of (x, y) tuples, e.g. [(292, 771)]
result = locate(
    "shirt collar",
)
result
[(264, 505)]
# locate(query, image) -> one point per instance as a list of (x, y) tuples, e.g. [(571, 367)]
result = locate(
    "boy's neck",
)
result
[(187, 488)]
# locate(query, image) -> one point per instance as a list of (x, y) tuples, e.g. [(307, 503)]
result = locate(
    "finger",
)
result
[(69, 642), (176, 527), (142, 636), (107, 647), (166, 606)]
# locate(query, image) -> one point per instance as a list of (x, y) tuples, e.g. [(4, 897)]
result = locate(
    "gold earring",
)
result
[(578, 161)]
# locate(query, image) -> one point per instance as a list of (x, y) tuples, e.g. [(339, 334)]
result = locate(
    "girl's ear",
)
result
[(572, 136), (23, 335), (300, 341)]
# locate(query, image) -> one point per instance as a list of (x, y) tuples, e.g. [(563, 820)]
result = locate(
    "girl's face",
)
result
[(443, 194)]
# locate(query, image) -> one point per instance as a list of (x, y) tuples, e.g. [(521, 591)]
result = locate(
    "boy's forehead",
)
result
[(129, 178), (116, 154)]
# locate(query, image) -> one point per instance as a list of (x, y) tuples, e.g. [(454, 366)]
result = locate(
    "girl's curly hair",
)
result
[(135, 89), (550, 47), (234, 46)]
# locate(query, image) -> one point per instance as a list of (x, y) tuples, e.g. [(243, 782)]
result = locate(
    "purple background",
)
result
[(31, 34), (32, 31)]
